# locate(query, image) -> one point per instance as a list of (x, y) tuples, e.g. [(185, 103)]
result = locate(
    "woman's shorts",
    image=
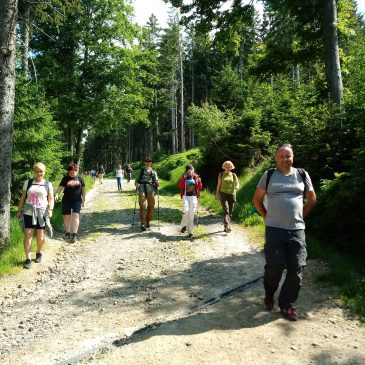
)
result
[(28, 223), (67, 207)]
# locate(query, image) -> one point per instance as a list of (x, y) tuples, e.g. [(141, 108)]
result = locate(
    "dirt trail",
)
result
[(85, 299)]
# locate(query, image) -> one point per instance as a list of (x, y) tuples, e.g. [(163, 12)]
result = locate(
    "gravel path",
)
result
[(85, 301)]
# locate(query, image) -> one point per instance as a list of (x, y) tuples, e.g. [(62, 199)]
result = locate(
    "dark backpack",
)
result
[(46, 185), (300, 170)]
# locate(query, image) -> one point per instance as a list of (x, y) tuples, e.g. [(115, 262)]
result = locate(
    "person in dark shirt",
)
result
[(73, 187)]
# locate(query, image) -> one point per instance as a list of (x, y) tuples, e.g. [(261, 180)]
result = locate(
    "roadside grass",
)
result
[(344, 271), (12, 255)]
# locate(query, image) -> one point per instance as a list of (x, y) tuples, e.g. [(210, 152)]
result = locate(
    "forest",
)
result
[(81, 81)]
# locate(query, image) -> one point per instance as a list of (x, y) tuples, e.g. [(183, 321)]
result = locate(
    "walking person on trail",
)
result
[(36, 207), (101, 173), (119, 172), (129, 171), (190, 186), (285, 248), (93, 175), (226, 192), (73, 187), (147, 185)]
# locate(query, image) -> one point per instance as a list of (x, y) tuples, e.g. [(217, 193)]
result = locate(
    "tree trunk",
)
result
[(25, 31), (130, 143), (158, 146), (173, 126), (333, 67), (296, 75), (182, 127), (8, 11), (78, 147)]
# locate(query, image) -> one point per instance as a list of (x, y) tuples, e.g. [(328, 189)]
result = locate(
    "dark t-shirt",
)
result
[(128, 170), (73, 186)]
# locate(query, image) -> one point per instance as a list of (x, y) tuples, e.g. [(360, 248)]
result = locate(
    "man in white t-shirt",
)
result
[(284, 215)]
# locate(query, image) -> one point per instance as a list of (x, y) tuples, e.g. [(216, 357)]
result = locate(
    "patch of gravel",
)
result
[(116, 279)]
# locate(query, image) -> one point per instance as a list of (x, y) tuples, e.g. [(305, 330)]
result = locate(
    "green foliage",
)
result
[(36, 137), (228, 91), (209, 123), (174, 165)]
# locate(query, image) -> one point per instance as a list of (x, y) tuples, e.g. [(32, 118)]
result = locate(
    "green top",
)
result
[(228, 182)]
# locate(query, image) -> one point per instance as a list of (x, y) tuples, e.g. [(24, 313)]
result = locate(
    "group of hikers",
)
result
[(284, 197)]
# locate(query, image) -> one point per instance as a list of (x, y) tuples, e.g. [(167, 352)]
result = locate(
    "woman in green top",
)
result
[(226, 192)]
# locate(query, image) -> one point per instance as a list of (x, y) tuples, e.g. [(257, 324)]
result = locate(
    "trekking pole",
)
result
[(158, 207), (135, 206)]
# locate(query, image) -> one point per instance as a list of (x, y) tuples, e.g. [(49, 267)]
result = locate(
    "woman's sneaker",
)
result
[(27, 264), (73, 238), (290, 312), (38, 257), (67, 236)]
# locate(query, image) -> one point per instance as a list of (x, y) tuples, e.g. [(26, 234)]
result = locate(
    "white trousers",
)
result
[(189, 208)]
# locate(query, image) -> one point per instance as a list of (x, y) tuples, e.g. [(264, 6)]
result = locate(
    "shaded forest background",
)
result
[(96, 88)]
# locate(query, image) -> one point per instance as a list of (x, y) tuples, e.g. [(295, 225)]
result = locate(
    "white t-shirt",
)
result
[(37, 195), (119, 172)]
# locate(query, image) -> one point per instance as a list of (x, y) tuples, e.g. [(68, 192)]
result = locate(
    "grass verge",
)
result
[(344, 271)]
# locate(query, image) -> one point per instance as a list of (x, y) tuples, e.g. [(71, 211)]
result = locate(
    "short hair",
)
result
[(230, 163), (72, 166), (285, 145), (40, 166)]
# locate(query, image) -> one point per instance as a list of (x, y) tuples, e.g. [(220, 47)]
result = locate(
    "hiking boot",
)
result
[(290, 313), (228, 229), (269, 302), (143, 227), (67, 236), (183, 230), (190, 235), (27, 264), (38, 257), (73, 238), (148, 225)]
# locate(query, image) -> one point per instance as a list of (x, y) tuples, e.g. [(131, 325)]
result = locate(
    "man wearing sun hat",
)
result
[(147, 184)]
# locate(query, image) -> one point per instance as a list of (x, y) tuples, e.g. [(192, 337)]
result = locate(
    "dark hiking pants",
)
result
[(227, 202), (284, 249)]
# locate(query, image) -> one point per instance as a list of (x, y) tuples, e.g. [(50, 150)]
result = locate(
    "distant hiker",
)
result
[(190, 186), (226, 192), (101, 173), (73, 187), (129, 170), (285, 187), (36, 207), (147, 184), (93, 175), (119, 172)]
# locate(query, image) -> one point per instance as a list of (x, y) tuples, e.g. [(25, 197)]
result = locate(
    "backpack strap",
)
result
[(304, 177), (140, 175), (30, 183), (268, 177)]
